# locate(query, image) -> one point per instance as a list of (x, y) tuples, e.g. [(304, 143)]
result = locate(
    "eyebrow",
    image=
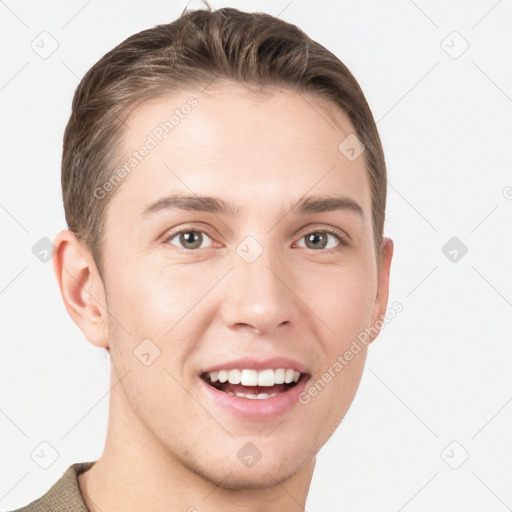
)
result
[(312, 204), (326, 204), (192, 203)]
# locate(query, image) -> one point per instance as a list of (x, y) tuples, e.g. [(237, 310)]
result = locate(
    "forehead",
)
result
[(246, 147)]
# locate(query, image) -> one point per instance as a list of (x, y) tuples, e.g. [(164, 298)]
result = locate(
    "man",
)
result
[(224, 187)]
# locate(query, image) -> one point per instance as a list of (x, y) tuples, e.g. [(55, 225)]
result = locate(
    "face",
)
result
[(275, 271)]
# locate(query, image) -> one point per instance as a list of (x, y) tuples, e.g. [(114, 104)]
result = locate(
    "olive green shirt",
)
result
[(64, 495)]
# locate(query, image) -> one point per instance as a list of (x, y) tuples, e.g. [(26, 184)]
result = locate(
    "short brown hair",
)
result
[(250, 49)]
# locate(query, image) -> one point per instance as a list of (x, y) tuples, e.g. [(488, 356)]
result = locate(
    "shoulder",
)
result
[(64, 495)]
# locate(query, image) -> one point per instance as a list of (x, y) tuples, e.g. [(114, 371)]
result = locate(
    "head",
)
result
[(224, 187)]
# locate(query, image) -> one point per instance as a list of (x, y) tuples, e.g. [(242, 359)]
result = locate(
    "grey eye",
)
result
[(190, 239), (320, 240)]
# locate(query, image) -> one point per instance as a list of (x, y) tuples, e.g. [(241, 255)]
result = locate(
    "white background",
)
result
[(438, 373)]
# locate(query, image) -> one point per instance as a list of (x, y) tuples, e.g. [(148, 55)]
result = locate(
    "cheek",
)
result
[(156, 296), (343, 299), (345, 304), (169, 305)]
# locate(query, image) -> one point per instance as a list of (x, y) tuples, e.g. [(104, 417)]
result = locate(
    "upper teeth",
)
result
[(248, 377)]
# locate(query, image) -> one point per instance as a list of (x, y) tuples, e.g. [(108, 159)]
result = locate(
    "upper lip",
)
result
[(257, 364)]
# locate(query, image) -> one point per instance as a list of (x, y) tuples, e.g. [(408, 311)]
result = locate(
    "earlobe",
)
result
[(81, 287), (381, 299)]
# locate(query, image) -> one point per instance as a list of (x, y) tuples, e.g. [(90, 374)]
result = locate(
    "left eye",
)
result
[(190, 239), (320, 240)]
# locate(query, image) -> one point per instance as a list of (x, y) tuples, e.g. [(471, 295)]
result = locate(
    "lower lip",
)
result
[(256, 409)]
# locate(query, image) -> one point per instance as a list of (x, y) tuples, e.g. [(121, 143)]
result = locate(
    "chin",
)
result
[(251, 478), (262, 475)]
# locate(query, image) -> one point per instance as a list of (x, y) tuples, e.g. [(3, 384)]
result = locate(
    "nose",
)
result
[(259, 295)]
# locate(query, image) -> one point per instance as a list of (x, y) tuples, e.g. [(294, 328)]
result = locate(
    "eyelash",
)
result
[(343, 242)]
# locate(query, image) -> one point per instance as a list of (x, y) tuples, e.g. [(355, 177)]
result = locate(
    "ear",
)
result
[(81, 287), (381, 299)]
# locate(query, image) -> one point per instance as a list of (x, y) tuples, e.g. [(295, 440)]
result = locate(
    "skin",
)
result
[(169, 447)]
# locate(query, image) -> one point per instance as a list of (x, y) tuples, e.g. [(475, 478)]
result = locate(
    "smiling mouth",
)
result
[(253, 384)]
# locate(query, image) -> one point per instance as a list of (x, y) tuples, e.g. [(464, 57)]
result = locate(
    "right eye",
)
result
[(189, 239)]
